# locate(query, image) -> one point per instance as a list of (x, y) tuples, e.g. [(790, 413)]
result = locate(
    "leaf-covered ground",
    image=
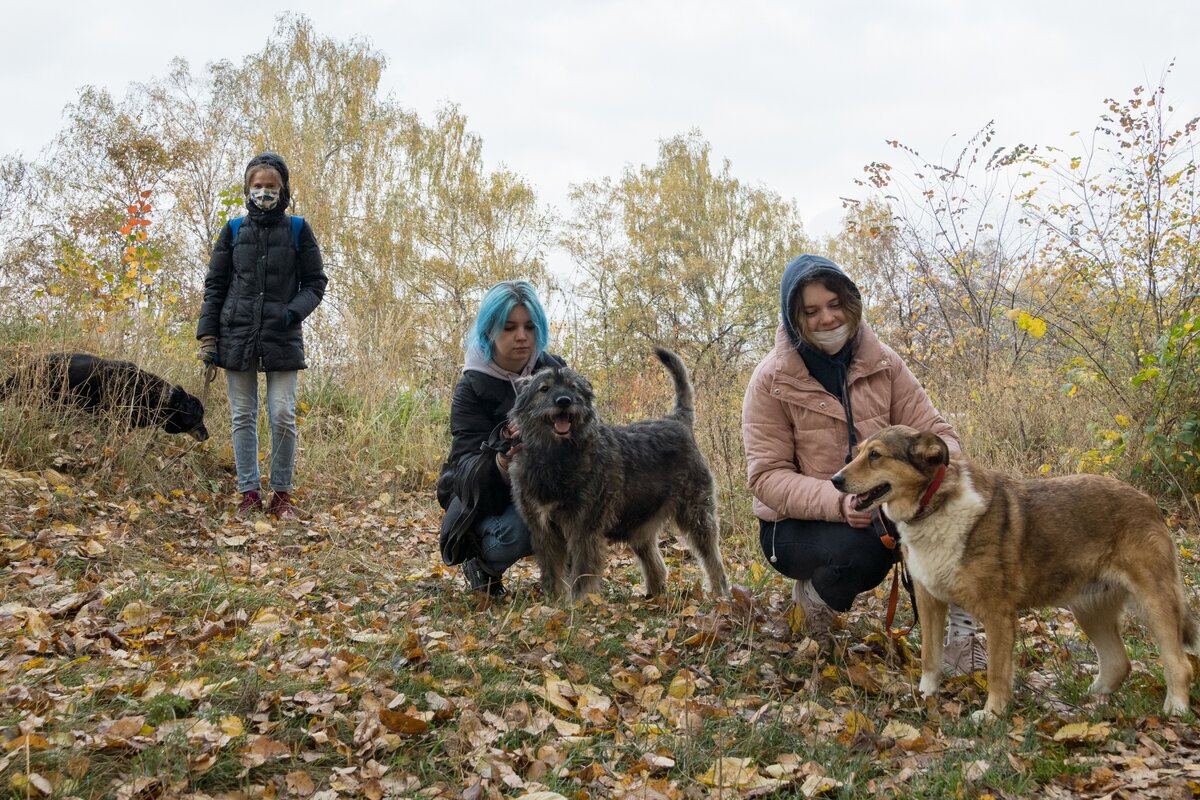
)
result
[(160, 648)]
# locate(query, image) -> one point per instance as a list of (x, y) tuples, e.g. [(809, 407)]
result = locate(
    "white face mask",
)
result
[(831, 341), (266, 199)]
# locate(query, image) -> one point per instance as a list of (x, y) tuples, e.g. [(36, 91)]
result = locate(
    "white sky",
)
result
[(797, 95)]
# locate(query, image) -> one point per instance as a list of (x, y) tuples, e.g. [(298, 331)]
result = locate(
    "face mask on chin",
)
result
[(831, 341), (264, 198)]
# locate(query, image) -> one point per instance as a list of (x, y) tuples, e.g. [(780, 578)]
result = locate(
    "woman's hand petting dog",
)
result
[(855, 519), (512, 437)]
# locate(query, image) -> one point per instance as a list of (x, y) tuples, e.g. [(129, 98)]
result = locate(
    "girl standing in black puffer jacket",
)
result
[(263, 280)]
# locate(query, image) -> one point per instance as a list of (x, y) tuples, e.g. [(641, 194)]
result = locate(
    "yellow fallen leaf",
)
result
[(137, 614), (795, 619), (233, 726), (1074, 731), (1082, 732), (266, 616), (262, 526), (736, 773), (682, 685), (190, 689), (22, 782), (29, 741), (900, 730), (556, 692), (566, 727), (55, 478), (857, 722), (36, 625)]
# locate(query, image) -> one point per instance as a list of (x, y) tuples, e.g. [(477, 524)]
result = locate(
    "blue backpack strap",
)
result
[(297, 224), (235, 225)]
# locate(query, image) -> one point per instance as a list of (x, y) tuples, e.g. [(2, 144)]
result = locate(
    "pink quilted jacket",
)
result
[(795, 432)]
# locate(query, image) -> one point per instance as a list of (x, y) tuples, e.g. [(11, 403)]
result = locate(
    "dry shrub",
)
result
[(1019, 423)]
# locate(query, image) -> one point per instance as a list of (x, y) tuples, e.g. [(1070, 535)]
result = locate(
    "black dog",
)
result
[(100, 385), (579, 483)]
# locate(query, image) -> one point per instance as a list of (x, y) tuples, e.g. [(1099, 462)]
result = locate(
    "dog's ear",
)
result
[(521, 383), (928, 449)]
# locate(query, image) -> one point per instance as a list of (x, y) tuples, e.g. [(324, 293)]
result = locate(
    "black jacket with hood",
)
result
[(253, 283), (470, 485)]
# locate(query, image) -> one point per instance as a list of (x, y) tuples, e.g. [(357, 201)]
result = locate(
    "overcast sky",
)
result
[(797, 95)]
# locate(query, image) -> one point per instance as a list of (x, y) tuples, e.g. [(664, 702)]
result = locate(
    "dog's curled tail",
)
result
[(685, 401)]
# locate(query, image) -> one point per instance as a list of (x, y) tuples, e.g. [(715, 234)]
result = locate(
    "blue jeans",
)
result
[(281, 413), (503, 541)]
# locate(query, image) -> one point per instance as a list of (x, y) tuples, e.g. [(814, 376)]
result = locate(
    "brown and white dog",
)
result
[(996, 546)]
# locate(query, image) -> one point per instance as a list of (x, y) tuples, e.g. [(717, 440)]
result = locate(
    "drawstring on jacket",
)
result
[(852, 440)]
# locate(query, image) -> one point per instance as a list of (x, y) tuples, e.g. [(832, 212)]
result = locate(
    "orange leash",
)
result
[(889, 541)]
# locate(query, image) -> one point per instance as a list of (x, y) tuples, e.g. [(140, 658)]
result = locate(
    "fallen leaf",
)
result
[(262, 749), (900, 730), (399, 722), (298, 783), (29, 741), (816, 785)]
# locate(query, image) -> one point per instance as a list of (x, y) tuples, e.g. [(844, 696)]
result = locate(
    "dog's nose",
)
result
[(563, 401), (839, 482)]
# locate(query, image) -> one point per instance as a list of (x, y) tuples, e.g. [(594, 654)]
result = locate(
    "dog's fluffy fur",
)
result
[(579, 483), (996, 546), (137, 398)]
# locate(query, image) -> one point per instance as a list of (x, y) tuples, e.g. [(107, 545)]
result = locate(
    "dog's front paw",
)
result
[(1176, 706), (930, 682), (984, 717)]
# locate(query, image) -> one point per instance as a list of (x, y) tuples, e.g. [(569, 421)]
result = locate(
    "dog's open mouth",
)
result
[(868, 498), (562, 424)]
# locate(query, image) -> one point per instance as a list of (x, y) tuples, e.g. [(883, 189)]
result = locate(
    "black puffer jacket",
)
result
[(470, 485), (254, 282)]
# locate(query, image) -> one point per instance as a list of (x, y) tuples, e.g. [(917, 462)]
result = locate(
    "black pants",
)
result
[(841, 561)]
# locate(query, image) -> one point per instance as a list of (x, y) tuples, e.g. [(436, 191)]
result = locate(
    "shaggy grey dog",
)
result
[(580, 483)]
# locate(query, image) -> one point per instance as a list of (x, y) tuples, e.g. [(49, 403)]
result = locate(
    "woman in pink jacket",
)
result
[(828, 384)]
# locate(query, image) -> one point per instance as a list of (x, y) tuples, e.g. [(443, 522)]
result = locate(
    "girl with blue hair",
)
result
[(481, 528)]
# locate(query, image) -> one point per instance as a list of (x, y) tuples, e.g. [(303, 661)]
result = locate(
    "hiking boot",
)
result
[(480, 580), (964, 654), (251, 503), (282, 506), (820, 621)]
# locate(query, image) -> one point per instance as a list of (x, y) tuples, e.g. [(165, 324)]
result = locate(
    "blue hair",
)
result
[(497, 304)]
